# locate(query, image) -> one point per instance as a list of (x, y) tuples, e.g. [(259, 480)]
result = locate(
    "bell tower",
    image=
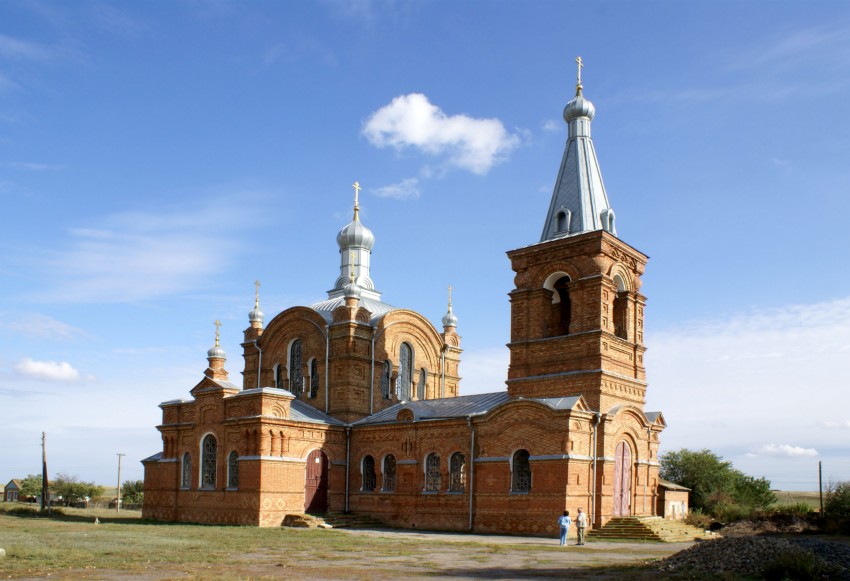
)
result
[(576, 312)]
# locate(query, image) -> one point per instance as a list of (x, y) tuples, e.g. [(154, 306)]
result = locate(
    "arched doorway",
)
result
[(623, 480), (316, 486)]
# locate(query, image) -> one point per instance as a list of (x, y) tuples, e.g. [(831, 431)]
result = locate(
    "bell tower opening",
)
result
[(561, 307), (621, 309)]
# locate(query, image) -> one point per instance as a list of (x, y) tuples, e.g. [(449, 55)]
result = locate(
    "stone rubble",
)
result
[(748, 556)]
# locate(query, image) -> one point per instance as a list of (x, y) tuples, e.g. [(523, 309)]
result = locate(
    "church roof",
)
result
[(579, 201), (376, 307), (300, 411)]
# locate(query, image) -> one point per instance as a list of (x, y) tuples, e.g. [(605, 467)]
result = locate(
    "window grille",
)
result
[(521, 481), (208, 462), (405, 373), (233, 470), (389, 473), (186, 477), (420, 387), (314, 378), (385, 379), (296, 379), (368, 474), (456, 466), (432, 473)]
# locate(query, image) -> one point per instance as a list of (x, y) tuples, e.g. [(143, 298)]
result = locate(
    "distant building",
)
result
[(352, 404), (12, 491), (673, 500)]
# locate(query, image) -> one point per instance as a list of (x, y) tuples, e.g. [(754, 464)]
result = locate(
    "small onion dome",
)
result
[(449, 319), (355, 234), (256, 315), (579, 107), (216, 353), (352, 290)]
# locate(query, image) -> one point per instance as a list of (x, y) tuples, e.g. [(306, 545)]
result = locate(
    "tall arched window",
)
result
[(389, 473), (278, 376), (404, 383), (368, 474), (432, 473), (420, 385), (186, 476), (233, 470), (563, 308), (208, 457), (314, 378), (621, 308), (386, 376), (456, 466), (521, 472), (296, 378)]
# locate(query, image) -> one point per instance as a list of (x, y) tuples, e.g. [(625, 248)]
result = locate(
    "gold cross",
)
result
[(352, 256), (450, 295), (257, 284), (217, 326), (357, 188), (580, 65)]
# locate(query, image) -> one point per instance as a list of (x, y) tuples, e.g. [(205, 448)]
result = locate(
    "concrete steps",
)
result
[(334, 520), (649, 528)]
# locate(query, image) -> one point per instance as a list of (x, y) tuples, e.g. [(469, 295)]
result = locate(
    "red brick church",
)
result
[(354, 405)]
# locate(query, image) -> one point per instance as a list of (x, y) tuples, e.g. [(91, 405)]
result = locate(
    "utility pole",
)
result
[(45, 500), (118, 496), (820, 485)]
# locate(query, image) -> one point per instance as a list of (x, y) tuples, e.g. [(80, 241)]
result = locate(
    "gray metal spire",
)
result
[(355, 243), (579, 202)]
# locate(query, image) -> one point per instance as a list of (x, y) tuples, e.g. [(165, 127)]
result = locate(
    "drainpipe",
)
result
[(372, 376), (347, 462), (471, 467), (648, 458), (260, 361), (598, 419), (443, 371), (327, 367)]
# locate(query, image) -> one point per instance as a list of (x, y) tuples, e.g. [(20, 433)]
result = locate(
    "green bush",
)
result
[(837, 502)]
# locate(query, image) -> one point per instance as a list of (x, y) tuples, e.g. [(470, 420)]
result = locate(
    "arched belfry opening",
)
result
[(621, 308), (561, 307)]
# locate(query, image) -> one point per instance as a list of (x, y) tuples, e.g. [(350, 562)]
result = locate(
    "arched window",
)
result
[(233, 470), (521, 472), (456, 466), (432, 473), (621, 309), (404, 383), (186, 472), (386, 375), (563, 307), (208, 456), (420, 385), (563, 221), (389, 473), (296, 379), (368, 474), (314, 378), (278, 376)]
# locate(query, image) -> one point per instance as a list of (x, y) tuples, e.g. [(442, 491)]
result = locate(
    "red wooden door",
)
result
[(316, 488), (622, 480)]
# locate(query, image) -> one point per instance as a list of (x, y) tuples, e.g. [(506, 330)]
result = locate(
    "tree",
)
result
[(71, 489), (31, 485), (837, 499), (132, 491), (714, 483)]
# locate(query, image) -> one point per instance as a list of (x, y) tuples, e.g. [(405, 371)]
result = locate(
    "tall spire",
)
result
[(355, 243), (449, 319), (216, 352), (357, 188), (256, 315), (579, 201)]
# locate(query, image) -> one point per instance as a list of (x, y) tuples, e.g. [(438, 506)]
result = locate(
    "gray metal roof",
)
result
[(304, 412), (559, 403), (376, 307), (432, 409), (579, 193)]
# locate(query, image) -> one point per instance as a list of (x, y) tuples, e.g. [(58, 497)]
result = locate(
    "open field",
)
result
[(786, 497), (124, 546)]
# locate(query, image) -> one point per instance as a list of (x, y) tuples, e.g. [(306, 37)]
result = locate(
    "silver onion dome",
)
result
[(579, 107), (449, 319), (352, 290), (256, 315), (216, 352), (355, 235)]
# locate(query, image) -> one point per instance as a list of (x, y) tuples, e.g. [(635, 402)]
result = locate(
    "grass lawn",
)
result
[(70, 545)]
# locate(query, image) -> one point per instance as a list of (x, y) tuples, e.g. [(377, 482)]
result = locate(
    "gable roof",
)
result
[(300, 411), (14, 483)]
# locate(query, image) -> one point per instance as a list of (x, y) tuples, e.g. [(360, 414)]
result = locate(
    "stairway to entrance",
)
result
[(331, 520), (649, 528)]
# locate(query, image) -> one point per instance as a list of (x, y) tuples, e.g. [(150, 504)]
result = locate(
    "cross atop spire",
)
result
[(450, 296), (217, 327), (257, 297), (578, 77), (357, 188)]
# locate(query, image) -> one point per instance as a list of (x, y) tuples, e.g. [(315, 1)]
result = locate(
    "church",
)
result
[(354, 405)]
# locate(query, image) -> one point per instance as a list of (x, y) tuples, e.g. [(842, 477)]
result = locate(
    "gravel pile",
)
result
[(747, 556)]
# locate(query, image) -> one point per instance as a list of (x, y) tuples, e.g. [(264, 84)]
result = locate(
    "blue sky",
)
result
[(156, 158)]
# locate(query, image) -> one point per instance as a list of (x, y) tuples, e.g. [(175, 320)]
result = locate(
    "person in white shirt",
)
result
[(581, 523), (564, 522)]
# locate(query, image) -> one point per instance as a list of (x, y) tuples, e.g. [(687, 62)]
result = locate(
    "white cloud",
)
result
[(403, 190), (138, 256), (39, 325), (16, 49), (840, 425), (786, 450), (411, 121), (47, 370), (552, 125)]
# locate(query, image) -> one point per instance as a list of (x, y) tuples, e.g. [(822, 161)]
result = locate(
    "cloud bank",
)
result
[(47, 370)]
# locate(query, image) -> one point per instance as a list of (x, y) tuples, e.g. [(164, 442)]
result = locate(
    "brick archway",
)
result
[(623, 480)]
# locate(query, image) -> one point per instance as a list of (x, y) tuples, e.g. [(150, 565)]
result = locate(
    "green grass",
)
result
[(784, 497)]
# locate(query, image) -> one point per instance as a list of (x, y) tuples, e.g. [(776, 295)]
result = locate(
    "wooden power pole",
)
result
[(118, 495)]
